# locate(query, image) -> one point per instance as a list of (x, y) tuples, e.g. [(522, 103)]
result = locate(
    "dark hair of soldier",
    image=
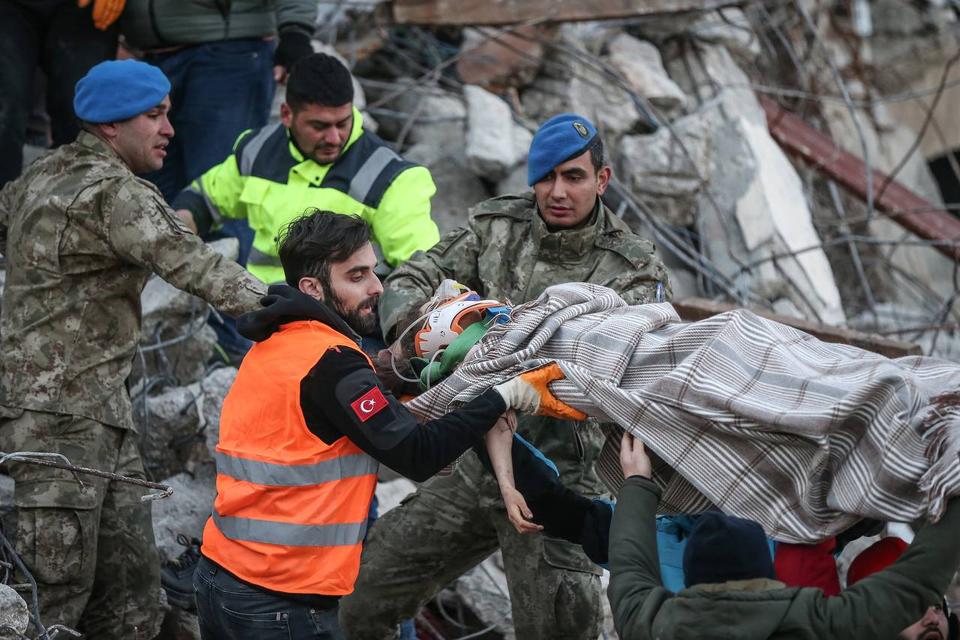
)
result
[(596, 154), (319, 79), (317, 239)]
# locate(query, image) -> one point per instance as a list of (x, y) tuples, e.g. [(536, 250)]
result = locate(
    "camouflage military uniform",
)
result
[(452, 523), (81, 234)]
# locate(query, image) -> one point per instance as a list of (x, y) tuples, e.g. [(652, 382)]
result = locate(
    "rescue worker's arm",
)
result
[(213, 196), (145, 231), (413, 282), (342, 396), (402, 223), (896, 597), (636, 591), (295, 25)]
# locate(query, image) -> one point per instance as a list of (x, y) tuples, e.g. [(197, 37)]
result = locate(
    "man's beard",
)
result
[(359, 320)]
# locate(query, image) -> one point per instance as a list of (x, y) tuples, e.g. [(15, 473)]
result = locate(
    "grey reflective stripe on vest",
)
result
[(262, 259), (291, 535), (252, 148), (300, 475), (369, 171)]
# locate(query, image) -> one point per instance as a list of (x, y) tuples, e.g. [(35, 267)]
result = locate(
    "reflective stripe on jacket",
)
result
[(291, 511), (269, 182)]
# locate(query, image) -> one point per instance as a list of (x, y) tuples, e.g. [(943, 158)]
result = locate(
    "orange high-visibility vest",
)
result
[(291, 511)]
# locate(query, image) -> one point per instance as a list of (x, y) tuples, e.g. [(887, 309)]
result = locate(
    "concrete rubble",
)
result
[(14, 615), (674, 98)]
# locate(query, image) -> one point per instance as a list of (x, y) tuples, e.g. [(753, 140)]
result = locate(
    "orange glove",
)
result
[(530, 392), (105, 12)]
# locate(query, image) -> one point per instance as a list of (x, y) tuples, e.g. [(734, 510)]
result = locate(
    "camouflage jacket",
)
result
[(81, 234), (506, 252)]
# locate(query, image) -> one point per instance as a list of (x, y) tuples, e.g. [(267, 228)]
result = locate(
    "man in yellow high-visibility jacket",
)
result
[(318, 155)]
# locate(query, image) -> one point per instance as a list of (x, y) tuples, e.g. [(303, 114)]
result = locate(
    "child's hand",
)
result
[(518, 512)]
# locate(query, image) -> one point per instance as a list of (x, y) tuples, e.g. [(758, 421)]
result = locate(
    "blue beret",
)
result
[(559, 139), (119, 89)]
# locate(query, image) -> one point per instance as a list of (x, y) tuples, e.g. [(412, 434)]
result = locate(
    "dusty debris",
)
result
[(641, 66), (14, 614)]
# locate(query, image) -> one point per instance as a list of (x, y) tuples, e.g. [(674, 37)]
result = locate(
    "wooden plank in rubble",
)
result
[(902, 205), (692, 309), (501, 12)]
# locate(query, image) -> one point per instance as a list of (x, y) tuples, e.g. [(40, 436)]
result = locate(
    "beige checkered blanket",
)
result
[(753, 417)]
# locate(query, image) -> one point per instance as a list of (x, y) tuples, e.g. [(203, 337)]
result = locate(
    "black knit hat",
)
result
[(722, 548)]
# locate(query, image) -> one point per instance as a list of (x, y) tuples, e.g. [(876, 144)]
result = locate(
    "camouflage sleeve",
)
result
[(145, 231), (648, 276), (413, 283)]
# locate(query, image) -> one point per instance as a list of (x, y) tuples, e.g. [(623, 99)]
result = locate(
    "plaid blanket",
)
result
[(743, 414)]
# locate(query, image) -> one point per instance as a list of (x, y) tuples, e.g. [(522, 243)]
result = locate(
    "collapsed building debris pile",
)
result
[(708, 118)]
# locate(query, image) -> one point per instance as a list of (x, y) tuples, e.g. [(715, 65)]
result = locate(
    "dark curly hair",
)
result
[(311, 243)]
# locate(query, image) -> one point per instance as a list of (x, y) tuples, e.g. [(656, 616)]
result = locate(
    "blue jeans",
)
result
[(206, 124), (229, 609)]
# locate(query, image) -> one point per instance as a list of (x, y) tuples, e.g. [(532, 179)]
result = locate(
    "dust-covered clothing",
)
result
[(90, 548), (81, 234), (505, 252)]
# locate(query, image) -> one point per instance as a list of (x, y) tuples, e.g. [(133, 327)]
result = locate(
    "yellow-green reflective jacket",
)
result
[(269, 182)]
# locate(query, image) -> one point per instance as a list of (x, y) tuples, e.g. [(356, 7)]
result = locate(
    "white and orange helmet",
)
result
[(445, 323)]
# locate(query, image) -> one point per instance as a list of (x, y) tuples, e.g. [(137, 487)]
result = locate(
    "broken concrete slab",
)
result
[(667, 170), (14, 614), (753, 202), (169, 423), (642, 69), (709, 74), (458, 188), (496, 60), (731, 28), (184, 512), (214, 389), (433, 113), (490, 147), (515, 182)]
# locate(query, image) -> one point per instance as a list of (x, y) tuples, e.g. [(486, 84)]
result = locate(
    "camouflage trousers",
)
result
[(90, 548), (451, 524)]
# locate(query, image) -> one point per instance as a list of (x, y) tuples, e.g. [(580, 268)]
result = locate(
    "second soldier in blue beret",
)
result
[(512, 248)]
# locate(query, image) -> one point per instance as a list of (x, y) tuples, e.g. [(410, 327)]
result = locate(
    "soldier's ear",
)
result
[(603, 178), (311, 287)]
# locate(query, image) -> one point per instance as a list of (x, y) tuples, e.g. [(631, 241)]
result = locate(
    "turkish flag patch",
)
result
[(369, 404)]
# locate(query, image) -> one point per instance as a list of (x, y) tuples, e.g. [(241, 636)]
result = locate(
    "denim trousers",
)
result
[(218, 90), (229, 609), (59, 38)]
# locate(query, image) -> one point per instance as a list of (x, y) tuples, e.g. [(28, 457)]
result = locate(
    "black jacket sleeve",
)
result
[(562, 512), (342, 396)]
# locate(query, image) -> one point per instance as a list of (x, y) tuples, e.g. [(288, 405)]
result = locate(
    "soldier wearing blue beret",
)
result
[(81, 233), (512, 248)]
